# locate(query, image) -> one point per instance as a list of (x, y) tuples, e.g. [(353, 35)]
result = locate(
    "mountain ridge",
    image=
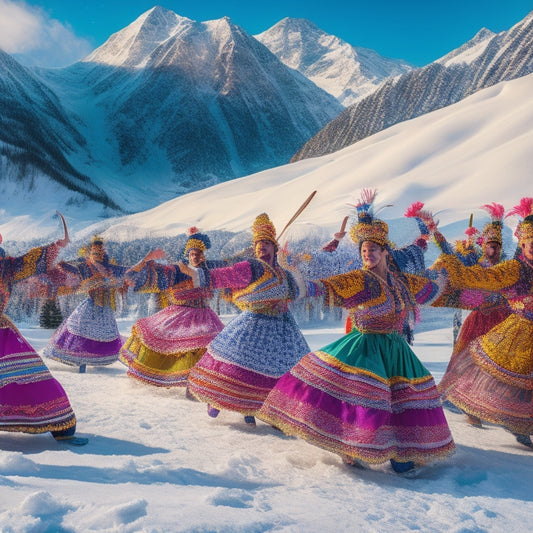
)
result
[(481, 62)]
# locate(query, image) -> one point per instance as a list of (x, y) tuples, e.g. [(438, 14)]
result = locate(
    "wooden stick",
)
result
[(297, 214), (66, 237)]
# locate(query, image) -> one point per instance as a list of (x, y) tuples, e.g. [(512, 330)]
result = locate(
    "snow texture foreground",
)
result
[(156, 462)]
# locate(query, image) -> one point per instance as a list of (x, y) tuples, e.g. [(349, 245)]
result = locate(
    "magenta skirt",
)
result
[(31, 399)]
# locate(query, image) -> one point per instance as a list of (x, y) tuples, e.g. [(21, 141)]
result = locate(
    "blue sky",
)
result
[(57, 32)]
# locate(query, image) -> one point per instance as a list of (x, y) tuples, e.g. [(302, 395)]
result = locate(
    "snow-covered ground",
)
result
[(155, 462)]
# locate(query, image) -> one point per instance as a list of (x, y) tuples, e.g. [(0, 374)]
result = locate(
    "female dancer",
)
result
[(31, 399), (89, 336), (367, 397), (245, 360), (492, 378), (163, 348)]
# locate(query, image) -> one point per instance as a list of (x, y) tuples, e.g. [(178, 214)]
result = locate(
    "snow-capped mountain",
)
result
[(482, 62), (470, 51), (349, 73), (37, 136), (169, 105), (453, 159)]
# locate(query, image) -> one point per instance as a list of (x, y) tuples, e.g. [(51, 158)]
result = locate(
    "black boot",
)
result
[(524, 439)]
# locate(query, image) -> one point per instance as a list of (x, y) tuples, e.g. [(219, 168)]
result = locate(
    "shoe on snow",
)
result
[(525, 440), (474, 421), (402, 467), (250, 420), (212, 411)]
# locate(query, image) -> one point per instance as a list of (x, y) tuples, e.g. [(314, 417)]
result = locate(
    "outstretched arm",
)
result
[(150, 256)]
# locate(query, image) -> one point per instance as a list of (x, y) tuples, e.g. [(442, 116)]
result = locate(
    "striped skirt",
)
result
[(245, 361), (365, 396), (31, 400), (163, 348)]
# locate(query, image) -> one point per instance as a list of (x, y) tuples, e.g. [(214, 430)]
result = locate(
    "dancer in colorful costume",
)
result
[(492, 378), (366, 396), (409, 258), (466, 250), (89, 336), (164, 347), (245, 360), (31, 399), (481, 319)]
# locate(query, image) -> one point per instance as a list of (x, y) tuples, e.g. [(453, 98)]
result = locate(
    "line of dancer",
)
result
[(365, 397)]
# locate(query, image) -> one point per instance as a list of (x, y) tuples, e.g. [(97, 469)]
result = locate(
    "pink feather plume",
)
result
[(523, 209), (368, 196), (414, 210), (495, 210)]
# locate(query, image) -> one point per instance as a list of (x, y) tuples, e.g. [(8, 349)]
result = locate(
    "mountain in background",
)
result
[(37, 136), (452, 159), (166, 106), (347, 72), (482, 62)]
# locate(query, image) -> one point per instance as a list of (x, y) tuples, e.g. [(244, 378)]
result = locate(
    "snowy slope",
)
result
[(454, 159)]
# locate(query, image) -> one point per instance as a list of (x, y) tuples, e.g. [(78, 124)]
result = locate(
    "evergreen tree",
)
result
[(50, 317)]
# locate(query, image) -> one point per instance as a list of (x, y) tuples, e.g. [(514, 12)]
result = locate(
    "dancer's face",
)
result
[(373, 255), (527, 249), (196, 257), (493, 252), (266, 251), (97, 252)]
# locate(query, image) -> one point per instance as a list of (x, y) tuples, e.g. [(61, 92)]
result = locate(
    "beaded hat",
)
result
[(96, 240), (263, 229), (492, 232), (197, 241), (524, 209), (368, 227)]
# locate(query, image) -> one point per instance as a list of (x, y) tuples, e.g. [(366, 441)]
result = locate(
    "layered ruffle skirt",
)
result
[(88, 336), (245, 360), (365, 396), (492, 378), (163, 348), (478, 323), (31, 399)]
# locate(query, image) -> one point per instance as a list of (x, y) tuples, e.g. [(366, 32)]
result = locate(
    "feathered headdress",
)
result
[(424, 218), (196, 240), (467, 250), (524, 209), (492, 232), (368, 227)]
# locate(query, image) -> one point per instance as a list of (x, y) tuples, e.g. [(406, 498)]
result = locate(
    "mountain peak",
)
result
[(469, 51), (132, 45), (297, 23), (346, 72)]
